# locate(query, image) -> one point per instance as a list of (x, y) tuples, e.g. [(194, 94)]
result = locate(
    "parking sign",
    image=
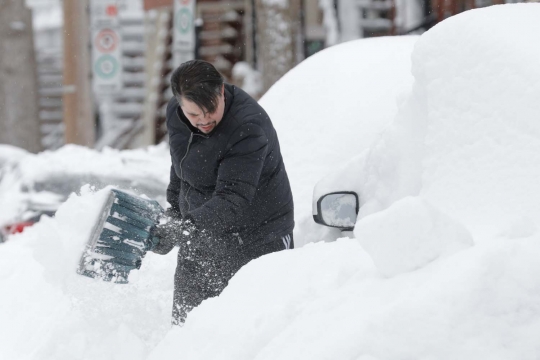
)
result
[(106, 47), (184, 31)]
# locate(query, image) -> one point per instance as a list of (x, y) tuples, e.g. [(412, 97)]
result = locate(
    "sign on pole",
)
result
[(184, 31), (106, 47)]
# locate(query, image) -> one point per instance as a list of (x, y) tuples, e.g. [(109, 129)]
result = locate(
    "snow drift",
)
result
[(463, 151), (410, 234), (47, 311), (468, 138)]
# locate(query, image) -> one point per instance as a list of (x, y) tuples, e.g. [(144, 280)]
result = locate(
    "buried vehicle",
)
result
[(337, 196), (38, 184)]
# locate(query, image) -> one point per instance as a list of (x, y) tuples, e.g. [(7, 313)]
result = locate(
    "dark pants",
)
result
[(201, 275)]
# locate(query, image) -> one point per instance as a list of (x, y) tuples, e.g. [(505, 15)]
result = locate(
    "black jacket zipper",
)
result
[(184, 157), (189, 143)]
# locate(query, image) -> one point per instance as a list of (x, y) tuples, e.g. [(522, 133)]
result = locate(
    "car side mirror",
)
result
[(338, 209)]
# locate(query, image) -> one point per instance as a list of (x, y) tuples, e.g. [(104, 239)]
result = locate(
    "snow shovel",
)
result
[(119, 238)]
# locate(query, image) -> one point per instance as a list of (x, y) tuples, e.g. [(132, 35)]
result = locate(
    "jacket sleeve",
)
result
[(173, 190), (164, 246), (237, 181)]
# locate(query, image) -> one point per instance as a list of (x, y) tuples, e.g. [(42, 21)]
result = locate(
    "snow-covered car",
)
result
[(461, 154), (9, 157), (37, 185), (333, 105)]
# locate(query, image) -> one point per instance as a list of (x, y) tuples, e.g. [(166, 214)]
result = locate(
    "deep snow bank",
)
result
[(47, 311), (468, 138), (327, 301), (410, 234)]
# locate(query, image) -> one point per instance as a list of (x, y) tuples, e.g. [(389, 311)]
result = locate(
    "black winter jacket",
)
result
[(233, 180)]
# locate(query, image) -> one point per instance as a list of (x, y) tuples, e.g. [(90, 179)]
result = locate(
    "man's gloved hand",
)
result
[(172, 214), (172, 230)]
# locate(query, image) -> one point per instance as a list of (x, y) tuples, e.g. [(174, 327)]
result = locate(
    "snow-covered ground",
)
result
[(445, 264)]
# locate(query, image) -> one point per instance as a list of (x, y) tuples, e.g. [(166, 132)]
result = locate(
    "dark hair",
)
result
[(197, 81)]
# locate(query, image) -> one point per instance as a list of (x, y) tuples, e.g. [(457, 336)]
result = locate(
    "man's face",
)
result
[(203, 120)]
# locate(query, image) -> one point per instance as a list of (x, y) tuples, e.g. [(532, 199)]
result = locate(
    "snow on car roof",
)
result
[(150, 163), (11, 154)]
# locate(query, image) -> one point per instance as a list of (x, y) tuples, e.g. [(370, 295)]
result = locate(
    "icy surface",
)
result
[(462, 153)]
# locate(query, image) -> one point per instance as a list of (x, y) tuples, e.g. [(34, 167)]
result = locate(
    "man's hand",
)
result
[(172, 214), (173, 230), (193, 242)]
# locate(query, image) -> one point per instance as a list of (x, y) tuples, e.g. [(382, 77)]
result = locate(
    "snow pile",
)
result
[(327, 301), (151, 162), (11, 154), (468, 138), (9, 158), (145, 169), (410, 234), (47, 311), (331, 107)]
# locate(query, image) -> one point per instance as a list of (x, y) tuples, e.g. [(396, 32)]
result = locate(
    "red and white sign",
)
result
[(106, 40), (111, 10), (106, 47)]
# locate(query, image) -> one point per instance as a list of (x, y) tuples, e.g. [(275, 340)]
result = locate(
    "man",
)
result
[(230, 197)]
